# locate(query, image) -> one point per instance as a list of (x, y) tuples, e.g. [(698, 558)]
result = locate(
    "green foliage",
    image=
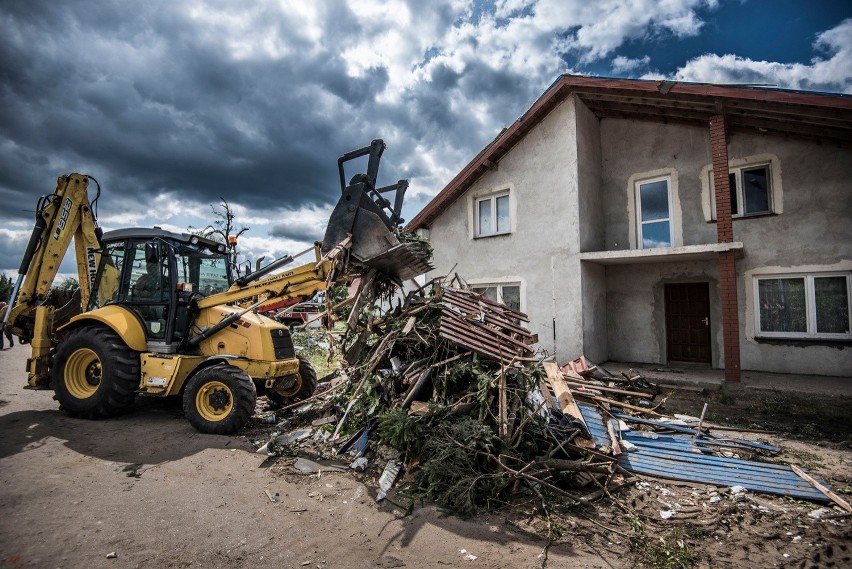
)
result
[(457, 472), (6, 286), (459, 379), (314, 345), (69, 283), (402, 431), (337, 294)]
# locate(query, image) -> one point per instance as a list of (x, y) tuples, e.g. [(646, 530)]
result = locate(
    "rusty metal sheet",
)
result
[(488, 328)]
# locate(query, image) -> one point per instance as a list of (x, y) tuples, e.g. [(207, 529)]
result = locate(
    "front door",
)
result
[(688, 322)]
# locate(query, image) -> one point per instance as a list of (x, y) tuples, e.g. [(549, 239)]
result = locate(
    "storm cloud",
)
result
[(172, 106)]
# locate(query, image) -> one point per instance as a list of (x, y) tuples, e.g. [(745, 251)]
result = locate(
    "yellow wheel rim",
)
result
[(214, 401), (83, 373)]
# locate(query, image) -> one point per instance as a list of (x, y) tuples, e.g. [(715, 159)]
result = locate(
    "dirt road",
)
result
[(149, 488)]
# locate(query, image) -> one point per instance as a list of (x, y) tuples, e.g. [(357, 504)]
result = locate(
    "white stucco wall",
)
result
[(813, 232), (636, 309), (571, 181), (634, 150), (541, 175)]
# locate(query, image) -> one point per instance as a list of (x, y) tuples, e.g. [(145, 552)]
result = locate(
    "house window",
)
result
[(508, 294), (804, 306), (751, 190), (492, 215), (653, 212)]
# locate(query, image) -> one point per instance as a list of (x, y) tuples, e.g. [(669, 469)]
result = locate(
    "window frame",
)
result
[(737, 171), (810, 306), (475, 286), (637, 196), (492, 199)]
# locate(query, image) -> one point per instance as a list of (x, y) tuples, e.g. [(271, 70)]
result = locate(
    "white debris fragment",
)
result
[(666, 514), (388, 478), (687, 418), (738, 492), (818, 514)]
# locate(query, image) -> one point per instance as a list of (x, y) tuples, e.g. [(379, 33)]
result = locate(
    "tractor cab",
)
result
[(155, 274)]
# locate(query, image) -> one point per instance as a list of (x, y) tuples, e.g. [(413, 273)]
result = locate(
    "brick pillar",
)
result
[(725, 234)]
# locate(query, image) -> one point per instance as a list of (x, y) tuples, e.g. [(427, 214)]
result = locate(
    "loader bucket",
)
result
[(374, 243), (372, 221)]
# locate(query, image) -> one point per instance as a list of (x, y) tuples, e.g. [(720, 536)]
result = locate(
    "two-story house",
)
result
[(653, 221)]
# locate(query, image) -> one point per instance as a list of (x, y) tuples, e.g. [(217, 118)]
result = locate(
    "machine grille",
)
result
[(282, 342)]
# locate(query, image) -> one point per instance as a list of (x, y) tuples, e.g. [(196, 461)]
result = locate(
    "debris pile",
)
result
[(444, 388)]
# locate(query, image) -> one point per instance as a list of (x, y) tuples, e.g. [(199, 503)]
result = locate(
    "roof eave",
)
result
[(567, 84)]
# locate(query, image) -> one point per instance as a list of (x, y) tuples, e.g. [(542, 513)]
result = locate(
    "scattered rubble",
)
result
[(443, 394)]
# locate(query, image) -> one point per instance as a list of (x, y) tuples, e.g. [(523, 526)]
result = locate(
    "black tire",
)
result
[(219, 400), (305, 387), (94, 373)]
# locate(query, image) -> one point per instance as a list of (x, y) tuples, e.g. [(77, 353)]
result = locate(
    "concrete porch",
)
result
[(697, 377)]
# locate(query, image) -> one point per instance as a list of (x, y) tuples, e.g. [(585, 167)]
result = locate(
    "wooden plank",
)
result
[(562, 392), (608, 389), (615, 403), (834, 497)]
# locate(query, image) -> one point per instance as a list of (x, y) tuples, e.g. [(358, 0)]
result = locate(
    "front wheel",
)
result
[(303, 387), (94, 373), (219, 400)]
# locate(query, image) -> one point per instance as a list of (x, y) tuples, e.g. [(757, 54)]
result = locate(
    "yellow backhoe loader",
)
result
[(161, 314)]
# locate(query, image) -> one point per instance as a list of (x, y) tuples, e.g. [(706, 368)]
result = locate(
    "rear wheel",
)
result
[(302, 388), (219, 399), (94, 373)]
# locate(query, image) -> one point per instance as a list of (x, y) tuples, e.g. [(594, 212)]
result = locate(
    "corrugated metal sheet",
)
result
[(690, 431), (488, 328), (595, 423), (679, 457)]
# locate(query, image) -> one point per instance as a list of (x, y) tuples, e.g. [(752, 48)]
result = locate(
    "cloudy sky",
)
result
[(174, 104)]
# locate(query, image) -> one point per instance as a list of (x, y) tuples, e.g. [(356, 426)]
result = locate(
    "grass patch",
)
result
[(315, 345)]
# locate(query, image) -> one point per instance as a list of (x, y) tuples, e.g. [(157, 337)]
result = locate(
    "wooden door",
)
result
[(688, 322)]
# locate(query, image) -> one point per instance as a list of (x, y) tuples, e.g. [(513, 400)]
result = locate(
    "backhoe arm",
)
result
[(305, 280), (64, 215)]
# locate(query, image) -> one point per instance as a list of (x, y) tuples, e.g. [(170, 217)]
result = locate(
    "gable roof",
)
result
[(777, 112)]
